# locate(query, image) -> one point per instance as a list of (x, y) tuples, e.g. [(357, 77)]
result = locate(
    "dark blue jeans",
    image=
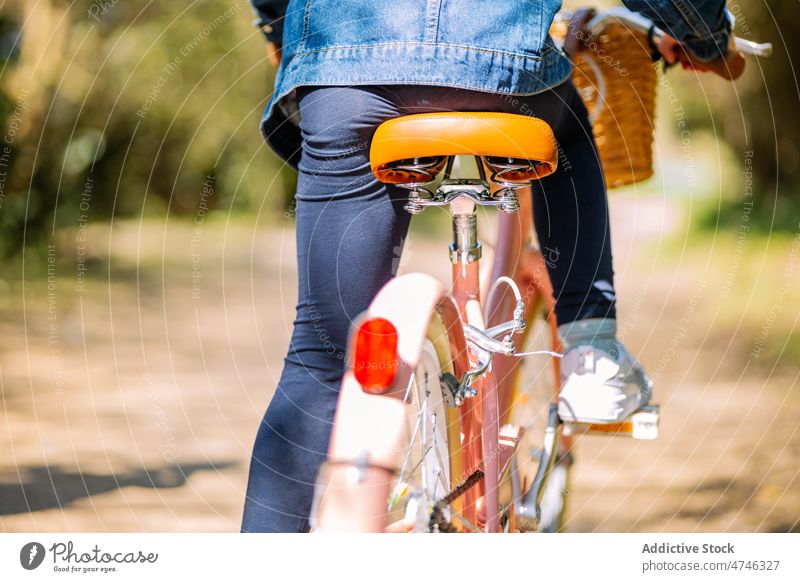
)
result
[(350, 232)]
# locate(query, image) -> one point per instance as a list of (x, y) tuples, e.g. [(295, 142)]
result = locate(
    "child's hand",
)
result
[(274, 53), (729, 67), (577, 37), (668, 47)]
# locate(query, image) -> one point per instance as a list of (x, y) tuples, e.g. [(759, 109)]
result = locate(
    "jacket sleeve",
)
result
[(269, 17), (702, 25)]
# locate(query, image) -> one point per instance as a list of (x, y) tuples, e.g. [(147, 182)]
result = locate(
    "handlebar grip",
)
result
[(755, 49)]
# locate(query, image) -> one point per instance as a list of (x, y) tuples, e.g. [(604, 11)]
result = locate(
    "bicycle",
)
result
[(428, 430)]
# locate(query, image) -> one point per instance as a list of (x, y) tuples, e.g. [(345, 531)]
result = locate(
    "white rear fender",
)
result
[(408, 302), (372, 427)]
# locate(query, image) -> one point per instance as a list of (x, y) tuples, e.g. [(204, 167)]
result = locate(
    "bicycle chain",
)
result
[(438, 523)]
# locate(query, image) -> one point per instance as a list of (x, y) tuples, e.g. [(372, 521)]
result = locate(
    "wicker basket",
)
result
[(616, 78)]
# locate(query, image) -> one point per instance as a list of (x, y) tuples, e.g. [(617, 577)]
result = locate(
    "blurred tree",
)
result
[(760, 114), (112, 108), (771, 95)]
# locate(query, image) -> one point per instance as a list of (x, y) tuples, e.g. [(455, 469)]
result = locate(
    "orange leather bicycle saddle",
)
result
[(430, 135)]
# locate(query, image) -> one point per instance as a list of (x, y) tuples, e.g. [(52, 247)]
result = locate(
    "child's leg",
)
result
[(601, 381), (348, 232), (571, 218)]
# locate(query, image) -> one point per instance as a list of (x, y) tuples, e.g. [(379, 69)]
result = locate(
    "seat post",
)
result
[(465, 248)]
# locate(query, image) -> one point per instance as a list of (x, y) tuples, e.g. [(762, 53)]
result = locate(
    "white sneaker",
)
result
[(601, 382)]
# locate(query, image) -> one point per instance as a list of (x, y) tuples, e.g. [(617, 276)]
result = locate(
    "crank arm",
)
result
[(528, 511)]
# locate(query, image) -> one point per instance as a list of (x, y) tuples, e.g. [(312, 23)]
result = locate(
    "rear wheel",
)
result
[(430, 456)]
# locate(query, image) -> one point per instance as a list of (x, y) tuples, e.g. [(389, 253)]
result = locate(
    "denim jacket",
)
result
[(498, 46)]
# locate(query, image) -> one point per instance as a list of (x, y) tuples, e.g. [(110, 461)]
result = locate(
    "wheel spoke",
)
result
[(424, 475), (407, 457), (419, 462)]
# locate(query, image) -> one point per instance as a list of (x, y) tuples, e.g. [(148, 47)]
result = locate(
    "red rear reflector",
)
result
[(375, 364)]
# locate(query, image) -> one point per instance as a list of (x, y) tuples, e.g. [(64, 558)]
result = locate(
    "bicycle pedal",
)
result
[(641, 425)]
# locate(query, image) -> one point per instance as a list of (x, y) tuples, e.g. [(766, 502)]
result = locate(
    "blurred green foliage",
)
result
[(762, 114), (116, 108), (757, 117), (119, 108)]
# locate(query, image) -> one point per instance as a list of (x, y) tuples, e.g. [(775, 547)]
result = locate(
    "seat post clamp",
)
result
[(459, 256), (465, 247)]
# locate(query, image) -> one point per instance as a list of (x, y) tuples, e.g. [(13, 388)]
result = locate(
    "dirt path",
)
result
[(132, 405)]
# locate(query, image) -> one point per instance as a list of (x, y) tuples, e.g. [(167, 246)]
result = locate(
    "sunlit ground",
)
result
[(132, 405)]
